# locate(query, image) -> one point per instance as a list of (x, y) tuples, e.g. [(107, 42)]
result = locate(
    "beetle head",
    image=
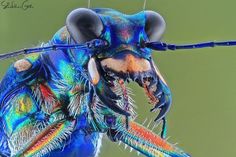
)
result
[(125, 59)]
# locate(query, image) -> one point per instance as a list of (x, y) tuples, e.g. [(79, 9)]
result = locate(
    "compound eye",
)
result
[(155, 26), (84, 25)]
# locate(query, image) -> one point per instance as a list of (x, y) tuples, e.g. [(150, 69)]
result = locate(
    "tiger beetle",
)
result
[(65, 95)]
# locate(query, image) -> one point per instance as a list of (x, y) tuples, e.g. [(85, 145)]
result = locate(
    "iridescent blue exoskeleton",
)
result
[(64, 96)]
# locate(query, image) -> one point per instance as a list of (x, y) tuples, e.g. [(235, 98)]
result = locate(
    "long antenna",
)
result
[(144, 4), (97, 44), (89, 3), (91, 45), (161, 46)]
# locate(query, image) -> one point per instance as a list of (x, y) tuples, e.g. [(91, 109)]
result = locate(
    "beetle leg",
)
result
[(146, 142)]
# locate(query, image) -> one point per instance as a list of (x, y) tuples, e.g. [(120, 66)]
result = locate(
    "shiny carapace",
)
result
[(60, 102)]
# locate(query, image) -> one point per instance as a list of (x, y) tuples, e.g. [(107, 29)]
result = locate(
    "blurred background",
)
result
[(202, 118)]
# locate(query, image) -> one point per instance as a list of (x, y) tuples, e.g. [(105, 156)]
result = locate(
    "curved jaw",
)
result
[(145, 73)]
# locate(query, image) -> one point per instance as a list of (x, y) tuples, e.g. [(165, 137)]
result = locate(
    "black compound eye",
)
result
[(84, 25), (155, 25)]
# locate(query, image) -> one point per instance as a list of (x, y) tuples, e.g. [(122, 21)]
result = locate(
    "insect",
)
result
[(64, 96)]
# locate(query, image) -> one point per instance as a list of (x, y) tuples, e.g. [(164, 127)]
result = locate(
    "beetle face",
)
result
[(125, 59)]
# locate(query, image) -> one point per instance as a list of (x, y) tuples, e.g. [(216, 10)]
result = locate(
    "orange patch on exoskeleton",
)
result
[(129, 64), (144, 133), (47, 136), (43, 139)]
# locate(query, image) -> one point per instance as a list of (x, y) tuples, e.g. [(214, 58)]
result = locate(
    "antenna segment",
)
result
[(144, 4), (161, 46), (89, 3)]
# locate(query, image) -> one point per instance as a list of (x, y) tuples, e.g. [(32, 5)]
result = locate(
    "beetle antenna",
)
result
[(144, 4), (160, 46), (91, 45), (89, 3)]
